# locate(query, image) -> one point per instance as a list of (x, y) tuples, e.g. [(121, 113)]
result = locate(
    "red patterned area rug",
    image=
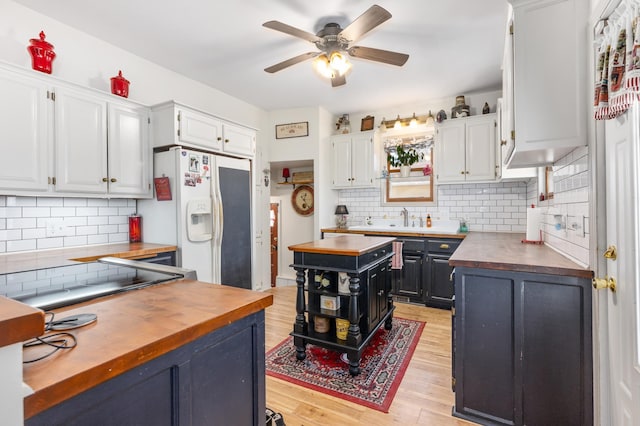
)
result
[(383, 364)]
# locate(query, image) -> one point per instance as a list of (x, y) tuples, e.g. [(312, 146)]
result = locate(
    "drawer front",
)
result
[(445, 246), (375, 255), (413, 245)]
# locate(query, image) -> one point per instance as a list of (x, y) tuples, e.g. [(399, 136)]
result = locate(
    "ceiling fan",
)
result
[(333, 42)]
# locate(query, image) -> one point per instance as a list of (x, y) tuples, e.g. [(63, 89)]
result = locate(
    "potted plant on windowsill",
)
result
[(403, 159)]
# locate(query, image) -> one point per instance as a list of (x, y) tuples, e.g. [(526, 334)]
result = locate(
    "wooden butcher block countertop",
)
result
[(503, 251), (27, 261), (133, 328), (344, 245)]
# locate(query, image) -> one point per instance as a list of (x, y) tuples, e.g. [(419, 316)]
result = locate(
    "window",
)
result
[(418, 186)]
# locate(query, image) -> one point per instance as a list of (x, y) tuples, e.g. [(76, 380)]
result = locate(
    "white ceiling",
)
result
[(455, 47)]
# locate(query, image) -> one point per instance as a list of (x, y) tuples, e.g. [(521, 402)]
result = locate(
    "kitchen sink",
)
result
[(444, 228)]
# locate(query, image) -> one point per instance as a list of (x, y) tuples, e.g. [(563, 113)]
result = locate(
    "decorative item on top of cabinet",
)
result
[(465, 149), (367, 123), (42, 54), (486, 109), (120, 85), (460, 109)]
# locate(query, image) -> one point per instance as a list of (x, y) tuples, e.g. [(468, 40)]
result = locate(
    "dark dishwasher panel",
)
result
[(166, 258)]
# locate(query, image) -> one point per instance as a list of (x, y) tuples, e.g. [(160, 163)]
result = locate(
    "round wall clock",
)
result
[(302, 200)]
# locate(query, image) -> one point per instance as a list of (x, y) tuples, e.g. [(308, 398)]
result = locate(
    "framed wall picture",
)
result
[(367, 123), (292, 130)]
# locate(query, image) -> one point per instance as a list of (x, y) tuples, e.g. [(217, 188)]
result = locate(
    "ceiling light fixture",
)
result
[(414, 121), (398, 123), (336, 64)]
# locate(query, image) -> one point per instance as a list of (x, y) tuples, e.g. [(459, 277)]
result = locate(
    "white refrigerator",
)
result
[(208, 215)]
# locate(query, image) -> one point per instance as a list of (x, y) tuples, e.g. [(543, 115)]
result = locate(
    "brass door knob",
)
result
[(113, 180), (606, 282), (105, 180), (611, 253)]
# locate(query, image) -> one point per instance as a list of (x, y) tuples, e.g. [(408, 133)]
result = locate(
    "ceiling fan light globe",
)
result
[(339, 63), (321, 64)]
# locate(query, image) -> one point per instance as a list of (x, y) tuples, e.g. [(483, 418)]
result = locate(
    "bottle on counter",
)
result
[(428, 221)]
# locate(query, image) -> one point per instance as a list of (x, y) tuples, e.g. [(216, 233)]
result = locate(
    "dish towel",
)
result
[(396, 260)]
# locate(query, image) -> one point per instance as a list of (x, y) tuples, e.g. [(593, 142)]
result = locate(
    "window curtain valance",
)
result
[(617, 75), (419, 143)]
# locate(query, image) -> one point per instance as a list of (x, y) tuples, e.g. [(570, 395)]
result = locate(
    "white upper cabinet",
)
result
[(25, 143), (239, 140), (353, 160), (130, 155), (57, 139), (466, 149), (176, 124), (550, 105), (80, 142), (502, 152)]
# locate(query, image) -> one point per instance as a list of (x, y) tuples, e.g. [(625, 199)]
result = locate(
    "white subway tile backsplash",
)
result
[(22, 201), (63, 211), (97, 220), (36, 212), (8, 212), (21, 245), (18, 223), (87, 211), (47, 243), (24, 222), (48, 202), (75, 202)]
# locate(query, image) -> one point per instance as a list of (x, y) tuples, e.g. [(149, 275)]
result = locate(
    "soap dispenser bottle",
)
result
[(428, 221)]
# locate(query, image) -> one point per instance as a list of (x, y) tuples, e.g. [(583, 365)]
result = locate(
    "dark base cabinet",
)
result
[(218, 379), (426, 275), (522, 348)]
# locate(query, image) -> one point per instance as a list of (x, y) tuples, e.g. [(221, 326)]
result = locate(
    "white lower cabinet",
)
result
[(353, 160), (466, 149), (71, 141)]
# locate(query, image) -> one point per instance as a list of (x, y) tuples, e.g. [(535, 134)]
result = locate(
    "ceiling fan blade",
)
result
[(338, 80), (379, 55), (364, 23), (292, 61), (288, 29)]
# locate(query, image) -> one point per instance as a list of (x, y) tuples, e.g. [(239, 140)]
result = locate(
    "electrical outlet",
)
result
[(55, 228)]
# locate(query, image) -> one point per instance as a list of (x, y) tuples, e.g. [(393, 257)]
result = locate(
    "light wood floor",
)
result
[(424, 396)]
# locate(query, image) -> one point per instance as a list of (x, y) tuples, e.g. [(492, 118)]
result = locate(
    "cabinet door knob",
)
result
[(226, 141), (462, 172), (105, 180), (114, 180), (219, 138)]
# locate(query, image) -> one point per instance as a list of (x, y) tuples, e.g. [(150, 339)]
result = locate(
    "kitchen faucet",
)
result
[(405, 214)]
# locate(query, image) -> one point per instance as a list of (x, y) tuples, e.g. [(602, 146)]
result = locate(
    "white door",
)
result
[(194, 197), (481, 148), (25, 142), (130, 160), (239, 140), (362, 161), (341, 147), (450, 147), (80, 142), (622, 205)]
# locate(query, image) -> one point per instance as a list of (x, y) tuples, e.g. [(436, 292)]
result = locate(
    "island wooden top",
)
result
[(19, 322), (492, 250), (133, 328), (420, 232), (344, 245), (27, 261)]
